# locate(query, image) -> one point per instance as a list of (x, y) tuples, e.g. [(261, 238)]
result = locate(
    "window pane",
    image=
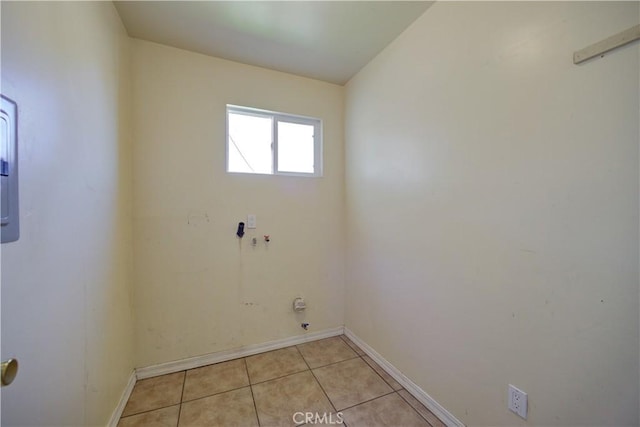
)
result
[(295, 147), (249, 144)]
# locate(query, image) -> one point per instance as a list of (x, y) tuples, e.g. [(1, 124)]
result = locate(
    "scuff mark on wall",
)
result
[(196, 219)]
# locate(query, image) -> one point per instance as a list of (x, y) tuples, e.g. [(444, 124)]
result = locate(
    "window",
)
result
[(265, 142)]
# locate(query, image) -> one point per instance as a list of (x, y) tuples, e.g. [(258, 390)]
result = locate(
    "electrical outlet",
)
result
[(517, 401)]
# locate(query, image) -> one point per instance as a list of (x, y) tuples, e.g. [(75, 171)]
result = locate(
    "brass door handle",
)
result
[(9, 371)]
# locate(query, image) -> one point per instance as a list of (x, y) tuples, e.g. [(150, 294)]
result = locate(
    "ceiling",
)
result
[(324, 40)]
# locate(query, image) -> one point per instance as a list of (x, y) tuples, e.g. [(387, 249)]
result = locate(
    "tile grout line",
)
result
[(327, 339), (362, 356), (373, 369), (241, 387), (351, 345), (159, 407), (280, 377), (237, 388), (184, 382), (215, 394), (380, 375), (345, 338), (305, 361), (370, 400), (418, 412), (149, 410), (317, 381), (333, 363), (253, 398)]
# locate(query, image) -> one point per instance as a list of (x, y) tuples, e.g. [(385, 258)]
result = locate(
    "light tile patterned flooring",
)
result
[(325, 377)]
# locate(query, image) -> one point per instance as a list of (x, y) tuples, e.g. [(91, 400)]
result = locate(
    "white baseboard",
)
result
[(117, 413), (438, 410), (223, 356)]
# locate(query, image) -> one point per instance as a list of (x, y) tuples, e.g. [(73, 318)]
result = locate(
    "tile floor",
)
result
[(328, 376)]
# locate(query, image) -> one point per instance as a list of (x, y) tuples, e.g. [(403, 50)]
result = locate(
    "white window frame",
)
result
[(276, 118)]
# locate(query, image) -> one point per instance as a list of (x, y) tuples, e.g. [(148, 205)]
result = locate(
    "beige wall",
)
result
[(198, 289), (492, 209), (66, 309)]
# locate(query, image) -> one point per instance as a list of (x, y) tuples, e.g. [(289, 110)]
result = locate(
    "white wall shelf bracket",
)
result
[(623, 38)]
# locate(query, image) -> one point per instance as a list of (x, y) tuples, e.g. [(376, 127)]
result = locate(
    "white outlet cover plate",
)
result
[(517, 401), (251, 221)]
